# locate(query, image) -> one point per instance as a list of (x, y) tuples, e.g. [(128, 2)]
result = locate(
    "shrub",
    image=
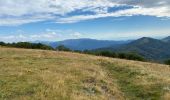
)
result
[(2, 44), (167, 62), (132, 56), (107, 54), (122, 55), (129, 56), (62, 48)]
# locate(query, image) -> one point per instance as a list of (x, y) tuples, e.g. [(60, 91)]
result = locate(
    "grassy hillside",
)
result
[(48, 75)]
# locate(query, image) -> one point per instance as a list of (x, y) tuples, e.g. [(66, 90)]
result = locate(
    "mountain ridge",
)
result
[(85, 43), (148, 47), (166, 39)]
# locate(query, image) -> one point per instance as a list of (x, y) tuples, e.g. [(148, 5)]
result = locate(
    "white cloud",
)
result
[(159, 12), (58, 35), (18, 12), (76, 34), (47, 35)]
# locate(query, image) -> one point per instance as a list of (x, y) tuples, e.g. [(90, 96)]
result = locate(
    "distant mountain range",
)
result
[(167, 39), (84, 44), (152, 49)]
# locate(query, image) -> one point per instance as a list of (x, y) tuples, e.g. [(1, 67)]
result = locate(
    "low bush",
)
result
[(62, 48), (129, 56), (167, 62)]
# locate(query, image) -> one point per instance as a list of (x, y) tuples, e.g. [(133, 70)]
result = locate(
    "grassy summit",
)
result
[(48, 75)]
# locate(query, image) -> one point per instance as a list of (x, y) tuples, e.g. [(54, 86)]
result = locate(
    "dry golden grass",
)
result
[(50, 75)]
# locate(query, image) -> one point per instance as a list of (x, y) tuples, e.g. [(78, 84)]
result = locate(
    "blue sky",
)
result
[(55, 20)]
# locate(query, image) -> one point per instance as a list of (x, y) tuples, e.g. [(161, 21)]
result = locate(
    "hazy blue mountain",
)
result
[(85, 44), (150, 48), (167, 39)]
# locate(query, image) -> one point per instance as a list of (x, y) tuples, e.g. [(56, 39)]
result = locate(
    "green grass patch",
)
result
[(126, 80)]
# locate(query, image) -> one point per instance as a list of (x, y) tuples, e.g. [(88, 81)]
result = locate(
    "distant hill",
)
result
[(150, 48), (167, 39), (85, 44)]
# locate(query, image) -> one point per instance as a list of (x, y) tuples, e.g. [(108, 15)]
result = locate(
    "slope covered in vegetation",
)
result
[(38, 74), (150, 48)]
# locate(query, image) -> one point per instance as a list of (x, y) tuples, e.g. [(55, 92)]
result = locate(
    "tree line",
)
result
[(128, 56), (121, 55), (27, 45)]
